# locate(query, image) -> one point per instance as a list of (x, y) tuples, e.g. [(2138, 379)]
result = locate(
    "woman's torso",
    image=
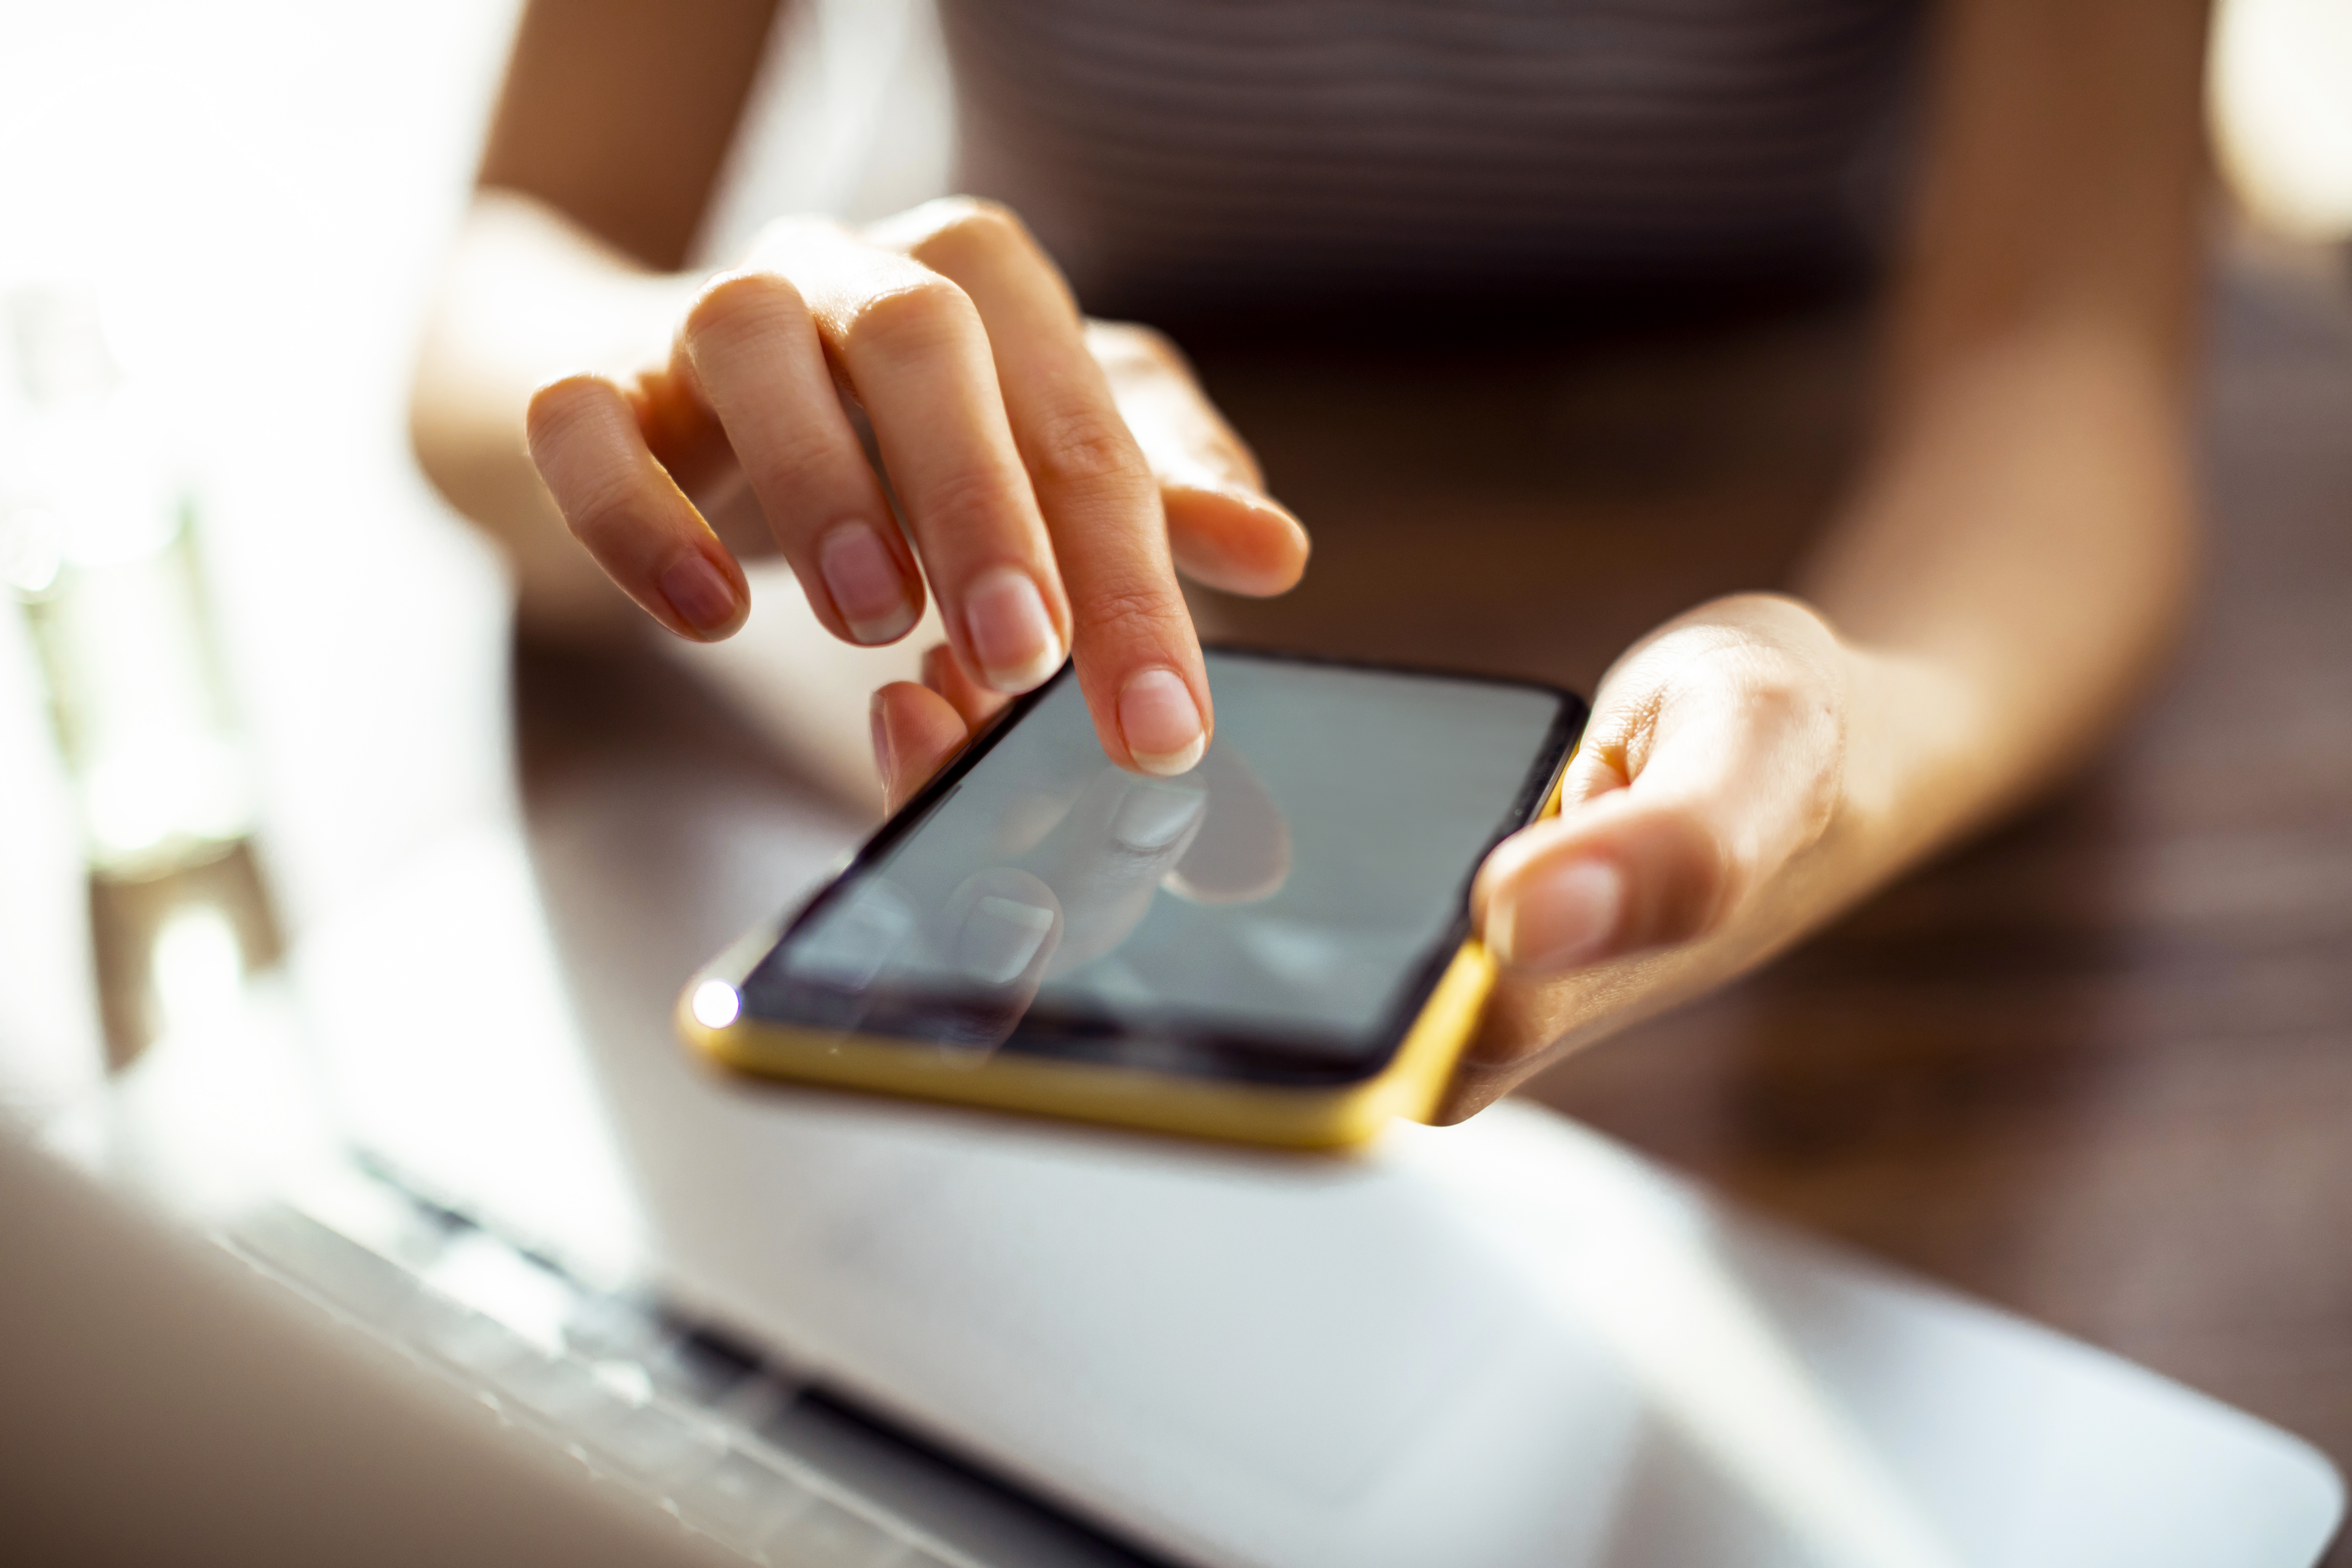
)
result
[(1200, 154)]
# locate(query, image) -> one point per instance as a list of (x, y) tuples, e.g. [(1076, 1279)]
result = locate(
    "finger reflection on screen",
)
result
[(1241, 853), (989, 949), (1091, 861), (1106, 858), (1280, 901)]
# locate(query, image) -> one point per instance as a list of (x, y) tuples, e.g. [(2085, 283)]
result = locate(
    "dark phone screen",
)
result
[(1278, 912)]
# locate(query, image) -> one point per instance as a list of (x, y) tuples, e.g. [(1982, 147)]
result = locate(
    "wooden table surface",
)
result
[(2096, 1068)]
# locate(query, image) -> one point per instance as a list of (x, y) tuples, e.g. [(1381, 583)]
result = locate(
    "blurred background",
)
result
[(2098, 1069)]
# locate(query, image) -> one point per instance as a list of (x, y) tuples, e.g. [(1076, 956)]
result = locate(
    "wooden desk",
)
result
[(2098, 1069)]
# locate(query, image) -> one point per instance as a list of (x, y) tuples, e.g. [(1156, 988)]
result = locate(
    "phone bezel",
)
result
[(1215, 1054)]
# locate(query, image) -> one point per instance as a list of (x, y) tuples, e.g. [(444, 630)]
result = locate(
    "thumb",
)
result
[(1710, 786)]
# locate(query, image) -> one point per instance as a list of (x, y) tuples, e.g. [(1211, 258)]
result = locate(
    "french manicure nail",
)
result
[(1011, 632), (703, 598), (1160, 722), (1561, 917), (865, 584)]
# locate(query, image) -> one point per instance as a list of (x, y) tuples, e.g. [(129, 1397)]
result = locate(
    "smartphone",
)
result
[(1273, 948)]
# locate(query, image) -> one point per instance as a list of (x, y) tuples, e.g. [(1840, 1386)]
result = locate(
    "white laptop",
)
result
[(1512, 1342), (822, 1329)]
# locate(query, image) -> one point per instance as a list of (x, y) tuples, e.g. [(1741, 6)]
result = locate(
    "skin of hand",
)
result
[(2004, 578), (1745, 774), (1704, 820), (2006, 574), (1052, 474)]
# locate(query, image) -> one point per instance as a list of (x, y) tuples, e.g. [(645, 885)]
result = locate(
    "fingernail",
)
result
[(703, 598), (865, 584), (1160, 722), (1560, 918), (1011, 632)]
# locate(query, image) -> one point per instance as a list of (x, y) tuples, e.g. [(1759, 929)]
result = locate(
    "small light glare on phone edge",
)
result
[(716, 1004)]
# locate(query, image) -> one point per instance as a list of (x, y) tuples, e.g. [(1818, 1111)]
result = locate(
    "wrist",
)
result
[(1915, 748)]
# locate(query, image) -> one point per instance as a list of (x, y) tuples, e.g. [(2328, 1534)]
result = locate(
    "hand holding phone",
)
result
[(1273, 946)]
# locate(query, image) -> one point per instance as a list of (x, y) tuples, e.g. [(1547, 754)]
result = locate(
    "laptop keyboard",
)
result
[(733, 1444)]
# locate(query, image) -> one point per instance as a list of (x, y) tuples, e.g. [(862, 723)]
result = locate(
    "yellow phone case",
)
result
[(1224, 1109)]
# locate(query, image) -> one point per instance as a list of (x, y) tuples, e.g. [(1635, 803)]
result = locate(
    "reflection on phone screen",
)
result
[(1275, 912)]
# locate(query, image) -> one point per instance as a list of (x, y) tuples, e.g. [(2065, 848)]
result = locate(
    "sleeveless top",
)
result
[(1202, 153), (1196, 155)]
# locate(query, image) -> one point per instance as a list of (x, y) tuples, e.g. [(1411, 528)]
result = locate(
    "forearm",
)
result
[(2012, 566), (2007, 573), (527, 295), (2020, 550)]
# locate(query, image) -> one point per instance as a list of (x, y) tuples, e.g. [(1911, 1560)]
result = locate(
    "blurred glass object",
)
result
[(99, 544)]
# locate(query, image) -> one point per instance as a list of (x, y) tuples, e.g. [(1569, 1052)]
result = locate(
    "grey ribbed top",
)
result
[(1206, 151)]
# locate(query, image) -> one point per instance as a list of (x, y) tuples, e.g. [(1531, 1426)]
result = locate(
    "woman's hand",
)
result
[(1054, 473), (1720, 805), (1732, 790)]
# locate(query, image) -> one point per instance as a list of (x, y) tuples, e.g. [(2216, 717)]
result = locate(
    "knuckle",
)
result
[(1706, 877), (975, 501), (916, 319), (558, 407), (1772, 698), (954, 231), (1799, 723), (977, 221), (784, 459), (1084, 447), (1139, 612), (602, 516), (734, 306)]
